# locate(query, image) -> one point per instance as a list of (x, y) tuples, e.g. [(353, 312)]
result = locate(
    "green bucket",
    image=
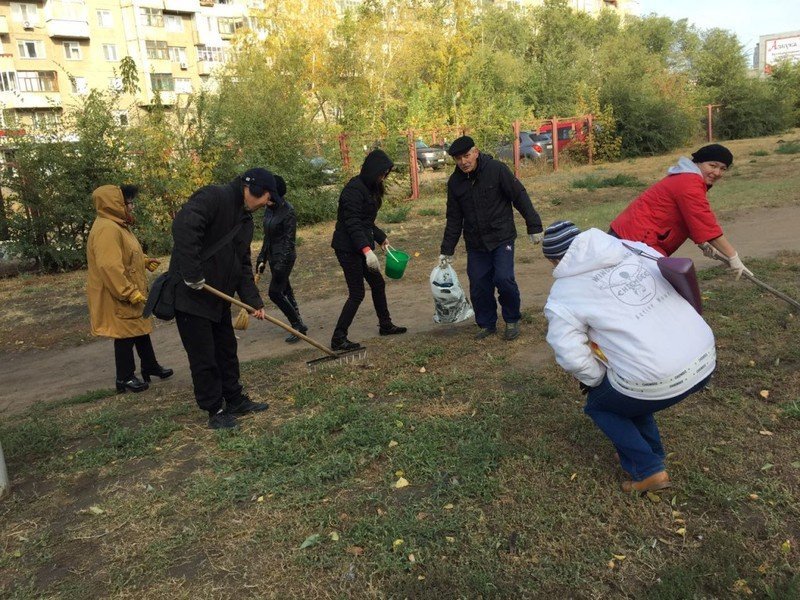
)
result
[(396, 262)]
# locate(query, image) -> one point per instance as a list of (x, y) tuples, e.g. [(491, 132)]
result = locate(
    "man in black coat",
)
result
[(480, 194), (211, 234)]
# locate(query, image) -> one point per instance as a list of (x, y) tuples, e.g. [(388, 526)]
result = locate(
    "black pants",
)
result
[(281, 293), (211, 348), (354, 266), (123, 356)]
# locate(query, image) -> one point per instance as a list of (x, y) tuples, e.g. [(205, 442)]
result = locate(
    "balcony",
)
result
[(66, 20), (7, 63), (207, 67), (182, 6), (3, 24), (30, 99)]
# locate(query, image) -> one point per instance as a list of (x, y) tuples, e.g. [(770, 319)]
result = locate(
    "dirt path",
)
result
[(52, 375)]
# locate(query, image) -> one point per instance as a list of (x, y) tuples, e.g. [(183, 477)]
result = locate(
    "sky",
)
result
[(748, 19)]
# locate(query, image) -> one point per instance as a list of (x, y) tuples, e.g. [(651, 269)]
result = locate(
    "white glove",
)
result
[(195, 285), (372, 261), (536, 238), (708, 250), (737, 266), (445, 259)]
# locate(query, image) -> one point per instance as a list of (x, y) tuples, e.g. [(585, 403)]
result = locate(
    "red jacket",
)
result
[(669, 212)]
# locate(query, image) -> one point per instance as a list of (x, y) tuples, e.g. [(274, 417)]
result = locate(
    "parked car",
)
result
[(328, 173), (529, 148), (568, 132), (430, 158)]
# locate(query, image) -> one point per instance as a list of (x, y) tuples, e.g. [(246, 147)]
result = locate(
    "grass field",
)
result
[(512, 492)]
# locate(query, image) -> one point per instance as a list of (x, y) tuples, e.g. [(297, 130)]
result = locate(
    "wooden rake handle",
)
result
[(272, 320), (758, 282)]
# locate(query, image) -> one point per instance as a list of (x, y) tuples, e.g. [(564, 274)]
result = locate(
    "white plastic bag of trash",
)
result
[(450, 302)]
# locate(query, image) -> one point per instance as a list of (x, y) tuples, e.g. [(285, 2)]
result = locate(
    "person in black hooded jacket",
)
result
[(211, 236), (278, 248), (354, 242)]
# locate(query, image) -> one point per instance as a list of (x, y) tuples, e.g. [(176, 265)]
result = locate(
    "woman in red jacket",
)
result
[(676, 209)]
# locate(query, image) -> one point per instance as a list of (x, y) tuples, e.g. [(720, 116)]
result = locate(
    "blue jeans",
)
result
[(630, 425), (487, 271)]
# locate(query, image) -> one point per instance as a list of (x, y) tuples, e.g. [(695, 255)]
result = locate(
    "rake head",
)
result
[(342, 358)]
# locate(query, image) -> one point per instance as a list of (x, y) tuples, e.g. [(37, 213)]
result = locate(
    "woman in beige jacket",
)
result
[(117, 286)]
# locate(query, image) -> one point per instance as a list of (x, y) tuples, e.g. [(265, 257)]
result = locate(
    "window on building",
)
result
[(47, 118), (121, 117), (8, 81), (37, 81), (72, 50), (162, 82), (110, 52), (156, 49), (211, 53), (152, 17), (30, 49), (183, 85), (173, 23), (79, 85), (229, 25), (177, 54), (24, 12), (104, 19), (115, 84)]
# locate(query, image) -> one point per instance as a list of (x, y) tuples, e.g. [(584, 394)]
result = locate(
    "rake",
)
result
[(332, 358), (758, 282)]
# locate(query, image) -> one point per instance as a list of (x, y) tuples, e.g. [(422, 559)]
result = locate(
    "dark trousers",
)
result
[(487, 271), (211, 348), (281, 293), (354, 266), (123, 356)]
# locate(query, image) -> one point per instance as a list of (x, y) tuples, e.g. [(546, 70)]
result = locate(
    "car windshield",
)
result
[(421, 144)]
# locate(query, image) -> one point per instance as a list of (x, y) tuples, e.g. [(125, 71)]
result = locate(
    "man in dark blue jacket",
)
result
[(480, 194), (212, 233)]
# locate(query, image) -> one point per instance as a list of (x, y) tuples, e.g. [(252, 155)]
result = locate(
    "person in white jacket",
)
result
[(634, 344)]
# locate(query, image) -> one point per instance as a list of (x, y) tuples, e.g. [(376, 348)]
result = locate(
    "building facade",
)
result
[(53, 52), (775, 48)]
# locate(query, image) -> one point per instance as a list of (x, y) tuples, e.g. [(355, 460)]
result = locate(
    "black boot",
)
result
[(343, 344), (392, 329), (159, 372), (299, 326), (133, 384)]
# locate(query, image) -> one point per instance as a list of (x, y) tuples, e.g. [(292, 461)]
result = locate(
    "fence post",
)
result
[(4, 485), (515, 146), (590, 118), (708, 122), (412, 165), (554, 121), (344, 152)]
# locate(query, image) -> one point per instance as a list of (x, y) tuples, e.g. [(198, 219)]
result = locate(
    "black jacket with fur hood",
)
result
[(358, 207)]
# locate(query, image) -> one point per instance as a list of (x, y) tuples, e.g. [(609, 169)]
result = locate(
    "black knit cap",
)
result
[(715, 153), (261, 178), (558, 237), (461, 145)]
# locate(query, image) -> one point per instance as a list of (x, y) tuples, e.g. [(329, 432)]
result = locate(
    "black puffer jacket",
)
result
[(280, 232), (479, 203), (209, 215), (358, 207)]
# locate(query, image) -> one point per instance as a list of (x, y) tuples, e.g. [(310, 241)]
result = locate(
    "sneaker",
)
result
[(392, 330), (512, 331), (222, 420), (245, 406), (485, 332), (343, 344)]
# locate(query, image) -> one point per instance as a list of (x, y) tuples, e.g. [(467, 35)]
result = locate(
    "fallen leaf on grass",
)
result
[(311, 540), (354, 550), (370, 395), (450, 539), (334, 536), (392, 444), (767, 467), (740, 585), (611, 564), (412, 558), (95, 510), (681, 531), (401, 483), (654, 498), (416, 255), (786, 547), (764, 393), (422, 370), (766, 432), (573, 476), (260, 499), (619, 556), (397, 543), (399, 473), (448, 506)]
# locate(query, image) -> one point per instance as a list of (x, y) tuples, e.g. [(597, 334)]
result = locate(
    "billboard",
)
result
[(777, 48)]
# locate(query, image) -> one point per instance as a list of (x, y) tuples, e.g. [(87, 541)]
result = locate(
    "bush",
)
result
[(395, 214), (790, 147), (593, 182)]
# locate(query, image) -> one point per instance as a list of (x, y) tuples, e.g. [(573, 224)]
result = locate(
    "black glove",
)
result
[(584, 388), (260, 266)]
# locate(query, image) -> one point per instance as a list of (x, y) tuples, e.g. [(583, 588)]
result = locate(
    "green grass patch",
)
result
[(759, 153), (594, 182), (395, 214), (429, 212), (790, 147)]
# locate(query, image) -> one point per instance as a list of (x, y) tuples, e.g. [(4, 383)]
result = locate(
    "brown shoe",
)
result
[(656, 481)]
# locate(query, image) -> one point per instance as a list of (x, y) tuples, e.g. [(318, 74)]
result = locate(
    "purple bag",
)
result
[(681, 275)]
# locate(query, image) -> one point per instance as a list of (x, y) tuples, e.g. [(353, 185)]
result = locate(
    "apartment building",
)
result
[(54, 51)]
